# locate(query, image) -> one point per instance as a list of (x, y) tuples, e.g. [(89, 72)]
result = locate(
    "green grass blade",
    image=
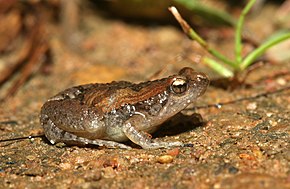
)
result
[(238, 34), (219, 68), (251, 57)]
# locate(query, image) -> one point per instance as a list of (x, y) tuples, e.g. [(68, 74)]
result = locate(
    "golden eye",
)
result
[(179, 86)]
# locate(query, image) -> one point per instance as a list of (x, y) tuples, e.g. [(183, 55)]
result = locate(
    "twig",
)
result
[(219, 105)]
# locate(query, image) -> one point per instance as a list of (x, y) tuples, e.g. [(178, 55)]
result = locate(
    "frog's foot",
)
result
[(57, 135), (141, 138)]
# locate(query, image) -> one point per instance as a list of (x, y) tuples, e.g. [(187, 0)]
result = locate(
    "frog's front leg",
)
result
[(143, 139)]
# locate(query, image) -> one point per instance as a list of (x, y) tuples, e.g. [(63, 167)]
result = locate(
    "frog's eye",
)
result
[(179, 86)]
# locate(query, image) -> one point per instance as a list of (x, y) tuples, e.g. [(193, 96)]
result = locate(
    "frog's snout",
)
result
[(202, 79)]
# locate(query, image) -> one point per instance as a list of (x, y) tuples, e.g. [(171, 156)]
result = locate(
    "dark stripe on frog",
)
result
[(110, 99)]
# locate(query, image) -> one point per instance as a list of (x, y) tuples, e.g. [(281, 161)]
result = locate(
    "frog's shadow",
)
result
[(178, 124)]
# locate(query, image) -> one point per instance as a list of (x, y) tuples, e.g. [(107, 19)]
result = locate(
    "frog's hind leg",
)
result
[(69, 138), (55, 135)]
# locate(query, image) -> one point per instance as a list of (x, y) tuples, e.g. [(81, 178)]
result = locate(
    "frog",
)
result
[(109, 114)]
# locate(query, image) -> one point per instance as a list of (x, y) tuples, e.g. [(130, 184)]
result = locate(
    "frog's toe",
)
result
[(124, 146), (175, 144), (109, 144), (157, 145)]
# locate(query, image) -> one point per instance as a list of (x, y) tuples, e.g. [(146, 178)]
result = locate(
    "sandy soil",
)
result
[(241, 145)]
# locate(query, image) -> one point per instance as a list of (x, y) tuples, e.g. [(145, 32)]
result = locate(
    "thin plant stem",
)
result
[(238, 34), (194, 36)]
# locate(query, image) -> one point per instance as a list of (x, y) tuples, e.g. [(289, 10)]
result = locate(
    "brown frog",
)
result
[(107, 114)]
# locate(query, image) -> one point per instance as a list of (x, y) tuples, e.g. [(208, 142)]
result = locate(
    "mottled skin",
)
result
[(106, 114)]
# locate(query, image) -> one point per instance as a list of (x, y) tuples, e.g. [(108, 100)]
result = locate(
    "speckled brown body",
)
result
[(106, 114)]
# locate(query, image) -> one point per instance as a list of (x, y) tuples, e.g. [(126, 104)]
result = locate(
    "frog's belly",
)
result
[(115, 134)]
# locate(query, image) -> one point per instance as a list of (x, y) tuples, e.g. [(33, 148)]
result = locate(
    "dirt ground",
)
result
[(240, 145)]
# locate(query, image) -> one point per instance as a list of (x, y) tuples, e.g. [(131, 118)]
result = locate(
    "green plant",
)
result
[(210, 14), (228, 67)]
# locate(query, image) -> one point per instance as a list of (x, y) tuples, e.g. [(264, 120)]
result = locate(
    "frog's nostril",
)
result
[(201, 77)]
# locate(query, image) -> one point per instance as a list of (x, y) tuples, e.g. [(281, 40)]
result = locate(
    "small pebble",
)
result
[(252, 106), (173, 152), (269, 114), (65, 166), (60, 145), (273, 123), (92, 175), (30, 157), (108, 172), (281, 81), (246, 156), (165, 159)]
